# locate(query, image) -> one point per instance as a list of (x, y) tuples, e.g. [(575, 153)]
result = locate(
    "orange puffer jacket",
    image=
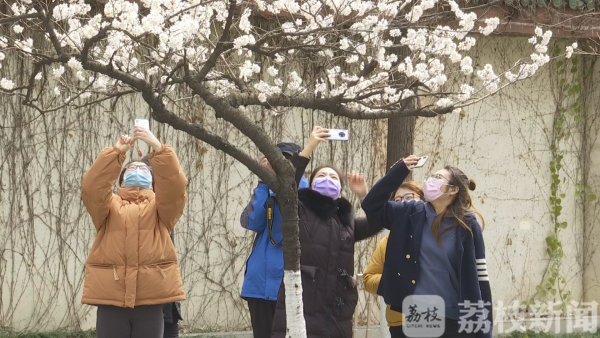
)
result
[(133, 261)]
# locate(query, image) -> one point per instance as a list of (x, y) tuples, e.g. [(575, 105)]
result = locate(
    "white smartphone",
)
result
[(338, 135), (421, 162), (144, 123)]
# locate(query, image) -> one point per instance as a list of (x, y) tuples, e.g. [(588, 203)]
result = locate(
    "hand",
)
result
[(317, 136), (124, 143), (358, 185), (411, 160), (265, 163), (148, 138)]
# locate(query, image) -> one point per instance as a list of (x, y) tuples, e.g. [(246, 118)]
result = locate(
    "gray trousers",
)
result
[(139, 322)]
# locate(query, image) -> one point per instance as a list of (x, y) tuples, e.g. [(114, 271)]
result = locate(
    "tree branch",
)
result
[(220, 48), (161, 114), (331, 105), (17, 18), (254, 132)]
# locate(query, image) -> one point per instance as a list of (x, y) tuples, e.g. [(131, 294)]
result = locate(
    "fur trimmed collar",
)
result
[(326, 207)]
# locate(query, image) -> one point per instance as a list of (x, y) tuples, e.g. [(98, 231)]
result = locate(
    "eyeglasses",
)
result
[(439, 177), (405, 197), (141, 167)]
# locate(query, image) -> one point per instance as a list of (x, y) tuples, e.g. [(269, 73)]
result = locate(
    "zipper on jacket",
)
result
[(115, 273), (161, 271)]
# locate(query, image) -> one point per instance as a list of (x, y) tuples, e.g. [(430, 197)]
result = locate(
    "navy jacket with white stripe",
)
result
[(406, 220)]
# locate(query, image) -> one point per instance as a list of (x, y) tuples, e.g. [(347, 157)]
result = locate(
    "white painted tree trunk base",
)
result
[(294, 308)]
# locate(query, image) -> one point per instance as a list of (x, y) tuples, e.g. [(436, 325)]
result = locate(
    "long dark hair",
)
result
[(314, 173), (461, 205)]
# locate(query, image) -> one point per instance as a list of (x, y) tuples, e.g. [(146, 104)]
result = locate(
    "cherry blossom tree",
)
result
[(236, 56)]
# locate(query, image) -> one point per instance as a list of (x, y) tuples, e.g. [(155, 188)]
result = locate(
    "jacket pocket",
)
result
[(158, 282), (310, 286), (106, 282)]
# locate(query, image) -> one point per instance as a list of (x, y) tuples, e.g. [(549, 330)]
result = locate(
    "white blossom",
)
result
[(56, 91), (352, 59), (546, 38), (455, 57), (248, 69), (467, 44), (58, 72), (511, 77), (344, 44), (491, 25), (415, 14), (538, 31), (6, 84), (466, 91), (570, 49), (74, 64), (18, 29), (38, 76), (245, 25), (444, 102), (272, 71), (489, 78), (295, 82), (466, 65), (244, 40)]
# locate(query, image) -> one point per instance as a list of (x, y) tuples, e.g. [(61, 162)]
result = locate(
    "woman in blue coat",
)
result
[(434, 248)]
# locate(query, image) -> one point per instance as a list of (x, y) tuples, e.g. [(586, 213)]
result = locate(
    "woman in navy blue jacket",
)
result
[(435, 248)]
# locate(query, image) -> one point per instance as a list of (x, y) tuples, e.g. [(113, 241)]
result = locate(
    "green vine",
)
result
[(569, 108)]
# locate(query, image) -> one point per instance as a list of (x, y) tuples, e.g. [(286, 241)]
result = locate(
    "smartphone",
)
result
[(338, 135), (144, 123), (421, 162)]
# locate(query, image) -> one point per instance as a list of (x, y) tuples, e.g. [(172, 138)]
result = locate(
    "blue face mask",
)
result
[(137, 179)]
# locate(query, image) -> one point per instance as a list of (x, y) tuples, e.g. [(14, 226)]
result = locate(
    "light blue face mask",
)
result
[(137, 179)]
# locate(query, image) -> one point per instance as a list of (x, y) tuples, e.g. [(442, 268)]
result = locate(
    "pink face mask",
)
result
[(432, 189)]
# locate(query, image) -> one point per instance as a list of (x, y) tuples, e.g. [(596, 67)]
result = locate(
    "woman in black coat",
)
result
[(328, 231)]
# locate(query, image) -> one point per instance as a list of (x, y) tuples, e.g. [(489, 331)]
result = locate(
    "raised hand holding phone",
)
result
[(338, 135), (421, 162), (317, 136), (147, 137), (410, 161), (144, 123)]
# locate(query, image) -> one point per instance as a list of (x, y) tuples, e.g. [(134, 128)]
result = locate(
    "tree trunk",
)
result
[(292, 280), (401, 129), (400, 139)]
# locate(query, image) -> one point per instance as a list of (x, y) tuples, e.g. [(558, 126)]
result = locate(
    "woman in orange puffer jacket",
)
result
[(132, 268)]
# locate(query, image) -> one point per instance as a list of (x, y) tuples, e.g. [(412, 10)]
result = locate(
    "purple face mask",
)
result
[(327, 187)]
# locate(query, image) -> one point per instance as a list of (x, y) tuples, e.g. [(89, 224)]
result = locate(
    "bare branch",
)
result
[(220, 48), (17, 18), (334, 106)]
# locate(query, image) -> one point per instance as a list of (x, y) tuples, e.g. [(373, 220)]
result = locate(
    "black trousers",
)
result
[(171, 330), (139, 322), (262, 312), (450, 331)]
